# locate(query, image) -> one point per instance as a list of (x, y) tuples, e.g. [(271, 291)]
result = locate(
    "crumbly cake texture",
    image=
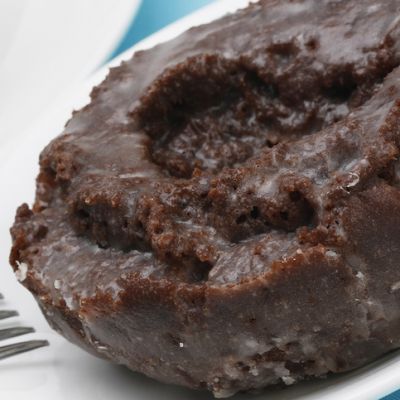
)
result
[(225, 213)]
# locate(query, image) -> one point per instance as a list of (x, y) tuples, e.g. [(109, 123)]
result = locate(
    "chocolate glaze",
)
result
[(225, 213)]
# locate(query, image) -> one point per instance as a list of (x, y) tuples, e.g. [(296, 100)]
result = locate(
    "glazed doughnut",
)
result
[(225, 213)]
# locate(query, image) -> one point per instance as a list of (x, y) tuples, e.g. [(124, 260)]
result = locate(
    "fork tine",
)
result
[(16, 331), (17, 348), (8, 313)]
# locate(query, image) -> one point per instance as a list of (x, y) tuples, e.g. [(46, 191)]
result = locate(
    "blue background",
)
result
[(154, 15), (394, 396)]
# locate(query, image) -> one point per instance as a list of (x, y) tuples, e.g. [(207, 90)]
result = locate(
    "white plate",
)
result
[(63, 371), (47, 45)]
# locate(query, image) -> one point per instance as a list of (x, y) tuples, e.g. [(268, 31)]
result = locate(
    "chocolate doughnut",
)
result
[(225, 213)]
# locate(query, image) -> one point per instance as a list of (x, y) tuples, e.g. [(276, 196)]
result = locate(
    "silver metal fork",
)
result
[(6, 333)]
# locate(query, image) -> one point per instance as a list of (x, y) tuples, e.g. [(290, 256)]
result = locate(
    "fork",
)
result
[(21, 347)]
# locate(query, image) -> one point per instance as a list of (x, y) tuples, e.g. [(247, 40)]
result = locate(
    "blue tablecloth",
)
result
[(154, 15)]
